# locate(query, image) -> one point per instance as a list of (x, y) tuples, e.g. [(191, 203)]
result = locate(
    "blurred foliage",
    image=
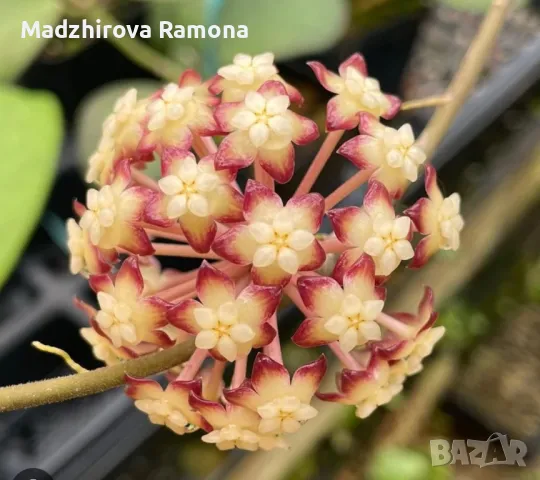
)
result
[(31, 135), (289, 28), (96, 107), (16, 52), (371, 14), (464, 324), (476, 6), (405, 464)]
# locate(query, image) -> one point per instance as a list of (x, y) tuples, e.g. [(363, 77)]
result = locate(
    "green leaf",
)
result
[(96, 107), (396, 462), (30, 135), (17, 52)]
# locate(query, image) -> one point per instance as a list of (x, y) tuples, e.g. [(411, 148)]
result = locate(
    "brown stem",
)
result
[(60, 389)]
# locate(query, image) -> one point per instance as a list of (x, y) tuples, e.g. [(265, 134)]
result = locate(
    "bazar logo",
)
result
[(496, 450)]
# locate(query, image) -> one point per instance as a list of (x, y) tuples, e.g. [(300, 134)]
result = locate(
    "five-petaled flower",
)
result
[(422, 337), (227, 325), (196, 196), (392, 154), (263, 129), (121, 134), (436, 217), (233, 426), (169, 406), (367, 389), (177, 112), (347, 314), (283, 404), (247, 74), (86, 258), (373, 229), (113, 213), (277, 240), (355, 93), (125, 315)]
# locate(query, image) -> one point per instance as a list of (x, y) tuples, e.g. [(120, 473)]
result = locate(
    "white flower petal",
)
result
[(406, 135), (255, 102), (228, 313), (242, 333), (288, 260), (403, 249), (277, 105), (264, 256), (351, 305), (349, 339), (263, 59), (171, 185), (187, 170), (337, 325), (401, 227), (372, 308), (206, 182), (227, 347), (242, 60), (198, 205), (370, 331), (258, 134), (300, 239), (305, 413), (388, 262), (374, 246), (177, 206), (262, 232), (281, 125), (270, 425), (205, 318), (206, 339), (243, 120)]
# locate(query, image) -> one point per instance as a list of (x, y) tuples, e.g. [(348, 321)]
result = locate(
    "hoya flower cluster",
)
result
[(256, 249)]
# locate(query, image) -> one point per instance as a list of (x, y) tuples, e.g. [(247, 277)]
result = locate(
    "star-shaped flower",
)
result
[(247, 74), (196, 196), (367, 389), (121, 134), (348, 314), (373, 229), (86, 258), (436, 217), (392, 154), (113, 213), (233, 426), (178, 111), (355, 93), (277, 240), (421, 341), (283, 404), (169, 407), (125, 315), (225, 324), (262, 128)]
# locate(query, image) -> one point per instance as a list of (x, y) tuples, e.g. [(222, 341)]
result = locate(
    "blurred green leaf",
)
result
[(289, 28), (95, 109), (17, 52), (403, 463), (30, 135)]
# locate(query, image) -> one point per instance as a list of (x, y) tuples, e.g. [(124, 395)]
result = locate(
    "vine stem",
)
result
[(60, 389), (466, 76)]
